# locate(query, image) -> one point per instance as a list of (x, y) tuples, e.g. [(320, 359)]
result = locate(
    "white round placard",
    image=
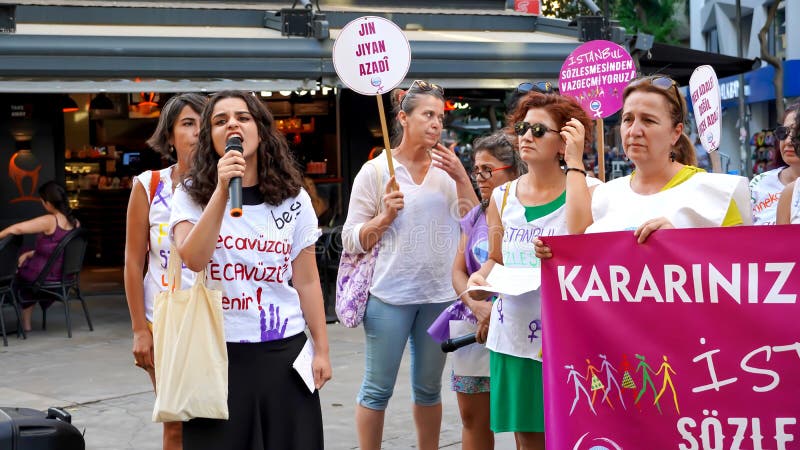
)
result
[(371, 55)]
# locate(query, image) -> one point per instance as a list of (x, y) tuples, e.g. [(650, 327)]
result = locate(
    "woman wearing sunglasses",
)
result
[(766, 188), (788, 210), (496, 163), (417, 230), (665, 190), (533, 205)]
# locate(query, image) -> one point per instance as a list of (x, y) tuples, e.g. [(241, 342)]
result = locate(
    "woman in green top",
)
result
[(547, 125)]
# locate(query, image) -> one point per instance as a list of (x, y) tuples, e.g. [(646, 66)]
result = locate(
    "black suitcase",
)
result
[(31, 429)]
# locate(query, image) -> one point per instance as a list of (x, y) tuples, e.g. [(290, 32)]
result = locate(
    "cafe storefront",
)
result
[(81, 89)]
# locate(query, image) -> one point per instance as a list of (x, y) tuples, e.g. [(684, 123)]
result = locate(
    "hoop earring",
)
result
[(672, 156)]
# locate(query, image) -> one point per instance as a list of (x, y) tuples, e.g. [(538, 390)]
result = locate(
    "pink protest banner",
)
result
[(595, 74), (689, 341)]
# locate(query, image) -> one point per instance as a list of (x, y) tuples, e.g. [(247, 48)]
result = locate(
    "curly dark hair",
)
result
[(159, 141), (560, 107), (279, 177)]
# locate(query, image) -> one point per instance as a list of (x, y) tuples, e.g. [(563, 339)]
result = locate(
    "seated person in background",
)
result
[(50, 230)]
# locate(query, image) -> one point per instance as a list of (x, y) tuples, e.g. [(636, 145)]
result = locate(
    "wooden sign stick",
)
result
[(601, 150), (386, 143)]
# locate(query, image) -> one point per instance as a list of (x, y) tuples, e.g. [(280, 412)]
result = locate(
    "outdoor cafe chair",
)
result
[(9, 252), (67, 288)]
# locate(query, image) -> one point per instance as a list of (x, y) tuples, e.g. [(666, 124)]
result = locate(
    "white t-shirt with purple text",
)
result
[(252, 265)]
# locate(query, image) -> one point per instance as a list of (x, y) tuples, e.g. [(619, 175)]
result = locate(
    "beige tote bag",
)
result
[(190, 354)]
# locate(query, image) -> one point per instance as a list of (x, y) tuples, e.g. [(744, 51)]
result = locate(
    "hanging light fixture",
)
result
[(101, 102), (68, 104)]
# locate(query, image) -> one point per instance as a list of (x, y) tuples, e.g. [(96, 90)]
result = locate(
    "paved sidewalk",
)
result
[(111, 400)]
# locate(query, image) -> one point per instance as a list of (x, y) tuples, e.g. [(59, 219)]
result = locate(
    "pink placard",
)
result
[(595, 74), (689, 341)]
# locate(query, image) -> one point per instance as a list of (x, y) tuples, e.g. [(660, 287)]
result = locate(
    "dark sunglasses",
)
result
[(665, 83), (423, 85), (485, 174), (544, 87), (782, 132), (537, 129)]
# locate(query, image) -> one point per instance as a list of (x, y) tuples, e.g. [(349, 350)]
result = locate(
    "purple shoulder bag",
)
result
[(355, 278)]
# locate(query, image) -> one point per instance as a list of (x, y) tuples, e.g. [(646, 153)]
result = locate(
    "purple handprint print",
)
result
[(275, 330)]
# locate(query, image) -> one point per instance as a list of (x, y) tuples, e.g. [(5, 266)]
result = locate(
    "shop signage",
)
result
[(21, 111), (730, 90), (371, 55), (527, 6), (595, 74), (705, 93), (683, 342)]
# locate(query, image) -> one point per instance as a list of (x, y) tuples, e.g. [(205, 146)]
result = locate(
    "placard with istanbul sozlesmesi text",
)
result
[(595, 74)]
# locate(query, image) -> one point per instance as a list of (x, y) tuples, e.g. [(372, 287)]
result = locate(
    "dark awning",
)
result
[(680, 62)]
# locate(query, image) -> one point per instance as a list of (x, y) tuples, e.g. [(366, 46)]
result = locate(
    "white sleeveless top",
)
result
[(795, 211), (701, 201), (515, 326), (155, 280)]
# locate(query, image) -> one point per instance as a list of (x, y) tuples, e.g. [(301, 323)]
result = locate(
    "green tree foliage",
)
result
[(656, 17), (565, 9)]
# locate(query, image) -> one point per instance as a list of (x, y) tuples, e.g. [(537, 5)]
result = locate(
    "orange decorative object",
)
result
[(22, 166)]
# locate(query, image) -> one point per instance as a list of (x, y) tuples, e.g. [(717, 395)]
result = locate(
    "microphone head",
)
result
[(234, 143)]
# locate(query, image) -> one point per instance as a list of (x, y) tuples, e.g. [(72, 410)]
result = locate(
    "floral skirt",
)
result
[(469, 385)]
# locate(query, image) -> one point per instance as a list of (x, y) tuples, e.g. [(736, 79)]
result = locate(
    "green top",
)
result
[(536, 212)]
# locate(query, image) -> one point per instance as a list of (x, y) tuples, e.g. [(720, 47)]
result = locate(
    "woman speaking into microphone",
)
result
[(252, 259)]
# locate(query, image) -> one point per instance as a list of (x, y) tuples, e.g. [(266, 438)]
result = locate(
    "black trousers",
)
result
[(270, 406)]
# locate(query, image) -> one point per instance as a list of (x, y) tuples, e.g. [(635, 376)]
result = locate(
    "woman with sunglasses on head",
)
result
[(767, 187), (496, 163), (264, 263), (149, 208), (418, 230), (547, 125), (788, 210), (665, 190)]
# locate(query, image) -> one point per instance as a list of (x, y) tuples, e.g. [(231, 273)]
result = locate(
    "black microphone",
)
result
[(235, 185), (454, 344)]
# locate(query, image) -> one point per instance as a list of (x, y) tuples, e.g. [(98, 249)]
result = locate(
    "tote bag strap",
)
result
[(174, 270), (505, 198)]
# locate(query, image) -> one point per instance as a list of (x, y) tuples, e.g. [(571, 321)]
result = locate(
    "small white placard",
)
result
[(704, 90), (302, 364), (511, 280)]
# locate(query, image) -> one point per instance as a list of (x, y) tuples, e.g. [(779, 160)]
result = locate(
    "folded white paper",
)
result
[(302, 364), (511, 280)]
